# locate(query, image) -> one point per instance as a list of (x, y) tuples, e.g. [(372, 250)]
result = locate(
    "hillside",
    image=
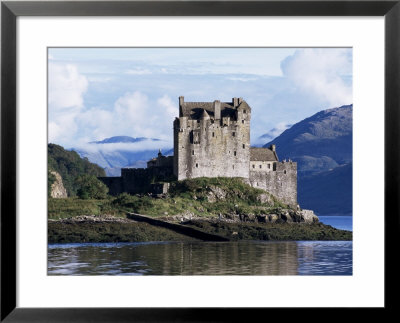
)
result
[(70, 165), (320, 142), (322, 145), (328, 192)]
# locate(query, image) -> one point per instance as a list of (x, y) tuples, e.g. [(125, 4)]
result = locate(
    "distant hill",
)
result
[(320, 142), (110, 154), (70, 165), (328, 192), (322, 145), (122, 139)]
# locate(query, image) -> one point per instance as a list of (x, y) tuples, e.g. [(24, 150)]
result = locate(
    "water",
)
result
[(202, 258), (339, 222)]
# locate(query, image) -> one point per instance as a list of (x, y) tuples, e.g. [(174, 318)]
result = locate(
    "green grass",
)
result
[(191, 196), (73, 206), (185, 197)]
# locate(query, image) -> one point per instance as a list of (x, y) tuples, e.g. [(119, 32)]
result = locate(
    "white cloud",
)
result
[(241, 79), (138, 71), (169, 109), (133, 114), (320, 73), (66, 89), (66, 86)]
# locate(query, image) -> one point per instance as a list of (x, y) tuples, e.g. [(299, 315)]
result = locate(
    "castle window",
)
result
[(244, 111), (260, 166), (254, 166), (233, 166), (233, 134), (243, 146), (269, 166), (284, 172), (242, 121), (213, 134), (234, 153), (197, 165), (192, 152)]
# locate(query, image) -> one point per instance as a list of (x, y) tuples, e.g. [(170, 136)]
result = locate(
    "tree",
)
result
[(89, 187)]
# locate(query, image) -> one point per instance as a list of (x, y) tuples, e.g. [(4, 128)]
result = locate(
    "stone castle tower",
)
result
[(212, 139)]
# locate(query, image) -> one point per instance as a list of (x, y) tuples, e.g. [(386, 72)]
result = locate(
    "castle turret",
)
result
[(235, 102), (205, 115), (181, 102), (217, 109)]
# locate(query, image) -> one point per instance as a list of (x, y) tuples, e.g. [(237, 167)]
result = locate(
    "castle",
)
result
[(212, 139)]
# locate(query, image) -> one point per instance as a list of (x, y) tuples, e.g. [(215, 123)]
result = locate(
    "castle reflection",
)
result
[(197, 258)]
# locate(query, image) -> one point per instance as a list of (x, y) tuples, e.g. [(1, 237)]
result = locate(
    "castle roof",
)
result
[(262, 154), (194, 110)]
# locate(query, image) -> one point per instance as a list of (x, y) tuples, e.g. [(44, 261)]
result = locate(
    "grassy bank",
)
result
[(200, 197), (61, 208), (203, 199)]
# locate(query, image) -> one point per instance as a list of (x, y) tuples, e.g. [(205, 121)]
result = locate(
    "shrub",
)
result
[(90, 187)]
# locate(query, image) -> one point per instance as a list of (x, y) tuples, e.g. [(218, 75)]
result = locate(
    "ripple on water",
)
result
[(202, 258)]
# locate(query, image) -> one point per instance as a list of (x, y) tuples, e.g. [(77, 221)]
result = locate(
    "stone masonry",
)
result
[(212, 139)]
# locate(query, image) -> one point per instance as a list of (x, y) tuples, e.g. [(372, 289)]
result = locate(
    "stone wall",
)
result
[(212, 148), (114, 184), (281, 183)]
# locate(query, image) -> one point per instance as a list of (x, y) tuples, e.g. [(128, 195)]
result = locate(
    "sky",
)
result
[(96, 93)]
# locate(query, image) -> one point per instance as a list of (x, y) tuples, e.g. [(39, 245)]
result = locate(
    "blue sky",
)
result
[(95, 93)]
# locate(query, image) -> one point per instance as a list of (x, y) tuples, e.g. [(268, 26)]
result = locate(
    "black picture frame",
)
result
[(10, 10)]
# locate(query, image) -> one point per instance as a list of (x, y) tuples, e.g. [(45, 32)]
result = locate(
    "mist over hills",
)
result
[(117, 152)]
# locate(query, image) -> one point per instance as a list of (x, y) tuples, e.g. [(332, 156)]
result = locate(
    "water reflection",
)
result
[(202, 258)]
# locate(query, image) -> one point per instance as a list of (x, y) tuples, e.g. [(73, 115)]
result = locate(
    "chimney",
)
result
[(273, 148), (235, 102), (217, 110), (181, 100)]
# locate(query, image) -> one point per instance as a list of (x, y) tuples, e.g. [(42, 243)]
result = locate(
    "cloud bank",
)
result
[(321, 73)]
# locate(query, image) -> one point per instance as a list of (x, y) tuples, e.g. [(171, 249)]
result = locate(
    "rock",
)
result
[(308, 216), (273, 217), (215, 193), (57, 188), (264, 198)]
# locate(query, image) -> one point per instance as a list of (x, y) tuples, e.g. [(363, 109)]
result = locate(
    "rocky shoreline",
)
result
[(286, 225), (279, 216)]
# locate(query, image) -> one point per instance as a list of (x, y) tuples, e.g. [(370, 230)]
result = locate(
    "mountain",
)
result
[(69, 165), (322, 145), (117, 152), (122, 139), (320, 142)]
